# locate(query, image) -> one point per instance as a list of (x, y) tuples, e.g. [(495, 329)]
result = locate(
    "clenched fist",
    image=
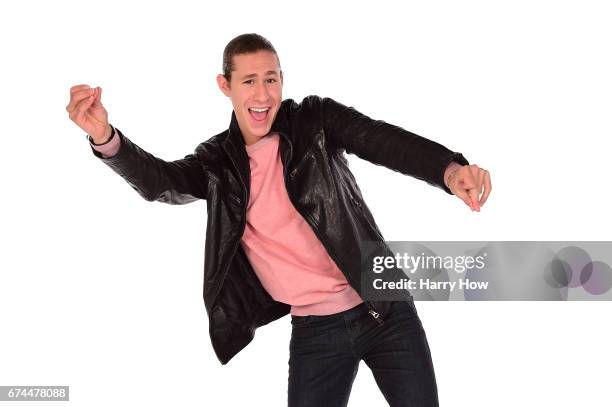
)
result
[(86, 110)]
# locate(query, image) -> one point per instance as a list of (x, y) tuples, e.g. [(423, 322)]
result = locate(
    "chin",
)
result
[(262, 133)]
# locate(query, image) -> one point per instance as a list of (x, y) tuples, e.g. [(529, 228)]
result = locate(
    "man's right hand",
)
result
[(86, 110)]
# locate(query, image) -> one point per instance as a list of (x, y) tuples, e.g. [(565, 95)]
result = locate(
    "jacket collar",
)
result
[(233, 143)]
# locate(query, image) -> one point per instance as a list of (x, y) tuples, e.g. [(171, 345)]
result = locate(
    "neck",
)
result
[(251, 139)]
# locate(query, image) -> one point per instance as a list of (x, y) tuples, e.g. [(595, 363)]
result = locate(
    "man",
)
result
[(284, 221)]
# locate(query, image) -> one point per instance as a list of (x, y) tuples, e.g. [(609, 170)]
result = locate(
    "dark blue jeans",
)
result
[(325, 351)]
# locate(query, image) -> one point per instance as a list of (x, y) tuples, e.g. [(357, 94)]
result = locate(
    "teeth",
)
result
[(259, 110)]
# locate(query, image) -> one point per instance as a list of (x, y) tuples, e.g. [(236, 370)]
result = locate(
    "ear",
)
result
[(281, 76), (224, 85)]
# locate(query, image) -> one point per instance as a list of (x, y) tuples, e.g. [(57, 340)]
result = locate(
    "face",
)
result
[(255, 91)]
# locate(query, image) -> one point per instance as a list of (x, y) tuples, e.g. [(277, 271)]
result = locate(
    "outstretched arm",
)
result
[(174, 182), (393, 147)]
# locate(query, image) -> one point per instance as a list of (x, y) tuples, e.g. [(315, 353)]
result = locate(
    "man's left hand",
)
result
[(467, 183)]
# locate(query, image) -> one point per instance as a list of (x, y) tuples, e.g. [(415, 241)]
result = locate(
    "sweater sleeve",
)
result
[(110, 147)]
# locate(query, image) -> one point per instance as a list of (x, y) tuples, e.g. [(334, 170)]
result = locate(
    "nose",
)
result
[(261, 93)]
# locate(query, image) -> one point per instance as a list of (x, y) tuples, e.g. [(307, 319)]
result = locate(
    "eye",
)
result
[(250, 81), (271, 80)]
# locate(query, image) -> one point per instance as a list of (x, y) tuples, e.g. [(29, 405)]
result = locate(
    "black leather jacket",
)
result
[(314, 136)]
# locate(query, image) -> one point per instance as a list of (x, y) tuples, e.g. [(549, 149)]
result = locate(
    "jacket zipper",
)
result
[(313, 224), (376, 316), (307, 156), (357, 203)]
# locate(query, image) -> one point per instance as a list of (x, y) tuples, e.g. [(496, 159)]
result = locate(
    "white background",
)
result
[(102, 291)]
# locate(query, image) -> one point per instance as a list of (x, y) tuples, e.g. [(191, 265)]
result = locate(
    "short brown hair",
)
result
[(243, 44)]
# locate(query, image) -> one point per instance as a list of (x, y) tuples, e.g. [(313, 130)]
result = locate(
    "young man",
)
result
[(285, 219)]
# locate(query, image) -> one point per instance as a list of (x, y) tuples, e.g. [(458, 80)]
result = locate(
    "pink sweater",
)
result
[(290, 261), (287, 257)]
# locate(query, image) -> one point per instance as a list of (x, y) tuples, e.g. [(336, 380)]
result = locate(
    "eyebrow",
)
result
[(254, 75)]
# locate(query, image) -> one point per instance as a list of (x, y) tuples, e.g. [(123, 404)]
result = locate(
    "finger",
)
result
[(474, 171), (77, 97), (78, 87), (480, 183), (462, 194), (81, 108), (466, 180), (473, 194), (460, 183), (487, 189), (475, 188), (97, 97)]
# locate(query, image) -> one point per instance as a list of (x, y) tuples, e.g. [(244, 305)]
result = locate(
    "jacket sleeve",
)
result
[(385, 144), (173, 182)]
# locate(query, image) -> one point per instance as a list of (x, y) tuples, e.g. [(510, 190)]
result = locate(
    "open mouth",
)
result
[(259, 113)]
